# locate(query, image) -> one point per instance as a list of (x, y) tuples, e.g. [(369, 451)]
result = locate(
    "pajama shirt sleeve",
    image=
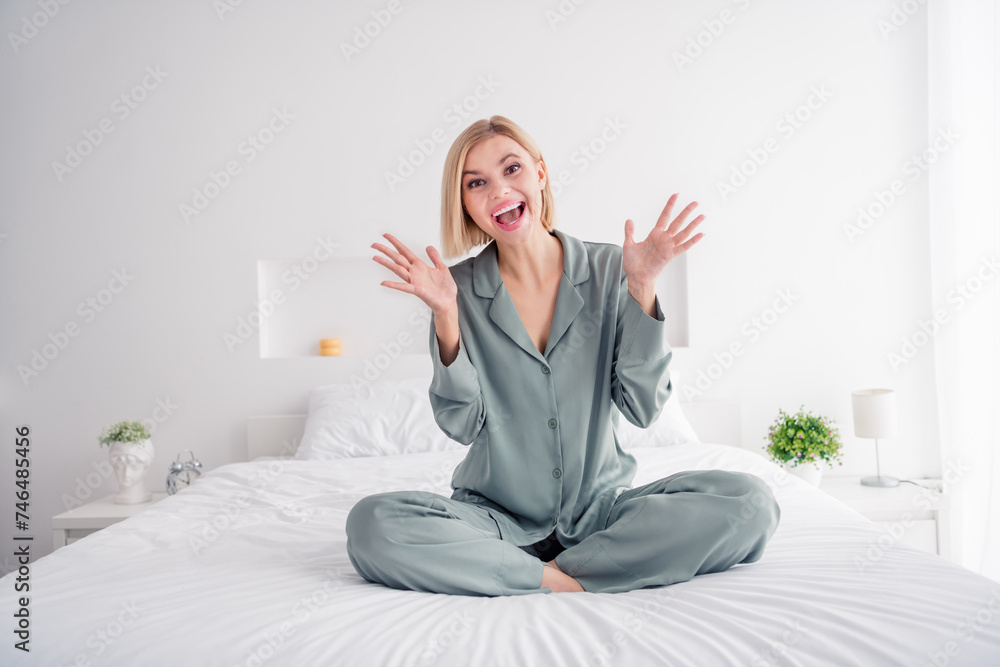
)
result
[(456, 398), (640, 382)]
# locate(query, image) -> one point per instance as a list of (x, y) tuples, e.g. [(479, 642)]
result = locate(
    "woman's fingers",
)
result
[(402, 287), (403, 250), (686, 232), (661, 222), (392, 254), (679, 220), (400, 271), (684, 247), (436, 257), (431, 284)]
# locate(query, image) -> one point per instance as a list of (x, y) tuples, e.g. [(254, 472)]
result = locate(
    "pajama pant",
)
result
[(689, 523)]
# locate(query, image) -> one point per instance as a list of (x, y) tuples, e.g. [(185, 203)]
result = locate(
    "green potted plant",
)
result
[(803, 442), (130, 454)]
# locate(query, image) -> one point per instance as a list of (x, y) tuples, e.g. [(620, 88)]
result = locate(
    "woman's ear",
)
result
[(541, 175)]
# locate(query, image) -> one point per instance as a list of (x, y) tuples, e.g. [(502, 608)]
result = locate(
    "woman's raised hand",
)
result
[(431, 284), (643, 261)]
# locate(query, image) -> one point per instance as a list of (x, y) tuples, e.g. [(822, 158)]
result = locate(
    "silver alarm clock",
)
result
[(183, 473)]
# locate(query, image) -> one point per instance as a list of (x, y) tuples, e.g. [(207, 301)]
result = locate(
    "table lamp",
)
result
[(875, 417)]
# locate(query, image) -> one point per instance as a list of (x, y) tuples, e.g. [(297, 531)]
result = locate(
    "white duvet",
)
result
[(248, 567)]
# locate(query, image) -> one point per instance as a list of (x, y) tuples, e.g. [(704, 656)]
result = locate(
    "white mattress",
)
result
[(271, 584)]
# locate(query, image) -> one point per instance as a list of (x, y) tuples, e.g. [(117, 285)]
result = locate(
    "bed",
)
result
[(248, 567)]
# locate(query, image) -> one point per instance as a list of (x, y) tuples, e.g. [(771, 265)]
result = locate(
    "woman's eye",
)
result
[(472, 184), (514, 166)]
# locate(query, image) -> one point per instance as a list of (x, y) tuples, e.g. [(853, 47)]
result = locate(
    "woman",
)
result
[(532, 341)]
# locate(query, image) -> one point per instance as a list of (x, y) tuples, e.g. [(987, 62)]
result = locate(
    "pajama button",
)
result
[(552, 423), (557, 473), (555, 522), (545, 370)]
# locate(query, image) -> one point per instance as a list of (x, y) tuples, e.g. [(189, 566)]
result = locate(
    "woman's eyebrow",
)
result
[(502, 160)]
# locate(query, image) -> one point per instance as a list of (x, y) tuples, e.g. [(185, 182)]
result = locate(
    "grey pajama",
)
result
[(544, 465)]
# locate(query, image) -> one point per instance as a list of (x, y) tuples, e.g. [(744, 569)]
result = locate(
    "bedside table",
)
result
[(81, 521), (919, 515)]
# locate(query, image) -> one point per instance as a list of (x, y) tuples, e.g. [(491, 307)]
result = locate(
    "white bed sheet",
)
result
[(249, 567)]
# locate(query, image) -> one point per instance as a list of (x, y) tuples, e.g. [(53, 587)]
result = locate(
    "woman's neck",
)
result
[(531, 263)]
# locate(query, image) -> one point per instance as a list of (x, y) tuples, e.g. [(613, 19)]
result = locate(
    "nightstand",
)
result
[(81, 521), (915, 515)]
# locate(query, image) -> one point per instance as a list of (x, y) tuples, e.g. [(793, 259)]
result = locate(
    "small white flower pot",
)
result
[(130, 460), (809, 472)]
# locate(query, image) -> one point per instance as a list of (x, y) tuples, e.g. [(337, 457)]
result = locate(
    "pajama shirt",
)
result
[(544, 474)]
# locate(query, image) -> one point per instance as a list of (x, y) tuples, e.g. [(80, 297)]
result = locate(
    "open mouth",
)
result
[(509, 215)]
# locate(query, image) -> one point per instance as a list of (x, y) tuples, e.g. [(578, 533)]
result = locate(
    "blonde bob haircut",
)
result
[(459, 232)]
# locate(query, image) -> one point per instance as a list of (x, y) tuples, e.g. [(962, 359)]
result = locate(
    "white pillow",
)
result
[(376, 419), (395, 417), (670, 428)]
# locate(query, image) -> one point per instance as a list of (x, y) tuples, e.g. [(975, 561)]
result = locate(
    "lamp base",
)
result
[(881, 481)]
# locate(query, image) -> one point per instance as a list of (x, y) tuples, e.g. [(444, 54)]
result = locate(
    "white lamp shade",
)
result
[(874, 413)]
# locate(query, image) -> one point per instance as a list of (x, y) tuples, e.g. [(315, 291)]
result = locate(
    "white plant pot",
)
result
[(130, 461), (809, 472)]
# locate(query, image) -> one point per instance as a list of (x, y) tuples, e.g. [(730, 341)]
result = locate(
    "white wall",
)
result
[(676, 128)]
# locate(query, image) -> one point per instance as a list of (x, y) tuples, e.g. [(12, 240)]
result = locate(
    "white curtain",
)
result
[(963, 58)]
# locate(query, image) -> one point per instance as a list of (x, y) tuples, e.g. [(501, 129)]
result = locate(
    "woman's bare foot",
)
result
[(559, 581)]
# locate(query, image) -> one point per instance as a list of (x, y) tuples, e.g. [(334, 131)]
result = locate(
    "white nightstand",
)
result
[(919, 516), (81, 521)]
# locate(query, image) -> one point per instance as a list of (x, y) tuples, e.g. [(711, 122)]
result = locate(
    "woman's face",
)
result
[(499, 175)]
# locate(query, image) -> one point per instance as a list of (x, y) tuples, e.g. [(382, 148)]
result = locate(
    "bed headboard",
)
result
[(279, 435), (274, 435), (716, 421)]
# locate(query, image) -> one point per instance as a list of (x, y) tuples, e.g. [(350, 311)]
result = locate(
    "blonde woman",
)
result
[(534, 341)]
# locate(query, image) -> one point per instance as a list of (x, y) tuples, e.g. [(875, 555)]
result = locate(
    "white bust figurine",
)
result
[(130, 461)]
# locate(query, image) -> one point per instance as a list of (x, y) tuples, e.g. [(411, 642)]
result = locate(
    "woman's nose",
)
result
[(499, 191)]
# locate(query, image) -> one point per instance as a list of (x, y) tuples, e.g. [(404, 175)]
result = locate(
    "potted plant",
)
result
[(802, 441), (130, 454)]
